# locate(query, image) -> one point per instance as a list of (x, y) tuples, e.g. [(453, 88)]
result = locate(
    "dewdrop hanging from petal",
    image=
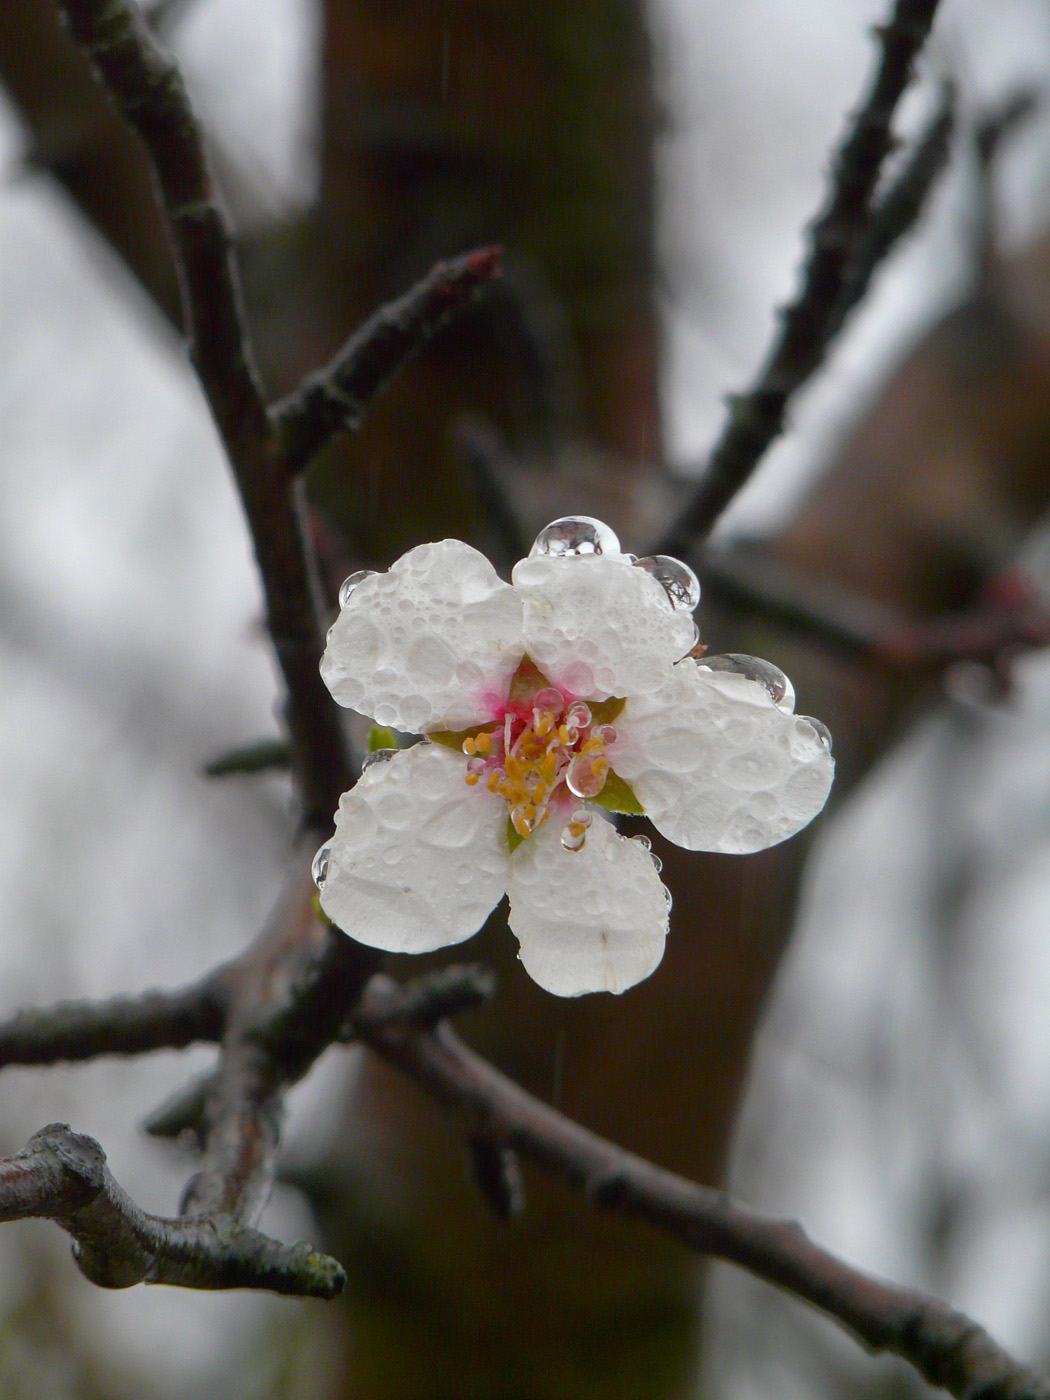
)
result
[(545, 704)]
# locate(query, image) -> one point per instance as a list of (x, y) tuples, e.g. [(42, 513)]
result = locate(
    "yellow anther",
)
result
[(593, 745), (472, 779), (492, 781), (544, 722), (563, 734), (599, 765), (470, 746), (520, 822), (514, 766), (483, 742)]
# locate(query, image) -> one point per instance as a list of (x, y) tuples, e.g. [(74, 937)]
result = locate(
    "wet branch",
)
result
[(148, 89), (131, 1025), (947, 1348), (62, 1176), (807, 325), (1009, 618), (333, 399)]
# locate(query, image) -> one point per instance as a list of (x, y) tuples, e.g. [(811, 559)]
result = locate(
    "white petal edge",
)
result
[(717, 765), (597, 626), (430, 644), (592, 920), (418, 859)]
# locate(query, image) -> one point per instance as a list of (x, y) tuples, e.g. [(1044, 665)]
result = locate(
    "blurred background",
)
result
[(898, 1099)]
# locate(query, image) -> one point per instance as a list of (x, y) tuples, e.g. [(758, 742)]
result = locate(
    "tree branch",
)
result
[(332, 400), (807, 325), (82, 1030), (947, 1348), (62, 1176), (149, 91)]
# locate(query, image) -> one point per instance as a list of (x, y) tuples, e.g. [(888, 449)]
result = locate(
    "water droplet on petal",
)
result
[(754, 668), (376, 756), (582, 817), (605, 732), (578, 715), (658, 864), (575, 534), (668, 899), (823, 732), (319, 866), (676, 579), (573, 840), (644, 842), (348, 585), (549, 699), (584, 777)]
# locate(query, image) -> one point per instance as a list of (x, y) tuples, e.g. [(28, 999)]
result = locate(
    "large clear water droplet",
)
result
[(754, 668), (573, 840), (319, 866), (346, 588), (676, 579), (575, 534), (582, 778), (823, 732), (377, 756)]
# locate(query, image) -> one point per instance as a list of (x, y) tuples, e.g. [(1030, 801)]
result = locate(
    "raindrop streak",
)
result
[(823, 732), (377, 756), (319, 866), (675, 578), (781, 691), (348, 585), (575, 534)]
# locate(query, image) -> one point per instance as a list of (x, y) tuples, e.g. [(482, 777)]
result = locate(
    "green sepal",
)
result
[(617, 796), (514, 839), (605, 711), (525, 683), (381, 738)]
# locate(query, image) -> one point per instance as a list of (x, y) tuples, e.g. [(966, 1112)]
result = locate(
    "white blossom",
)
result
[(578, 686)]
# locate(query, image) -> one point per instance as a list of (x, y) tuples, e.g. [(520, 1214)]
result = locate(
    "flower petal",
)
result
[(598, 626), (431, 644), (717, 765), (418, 859), (592, 920)]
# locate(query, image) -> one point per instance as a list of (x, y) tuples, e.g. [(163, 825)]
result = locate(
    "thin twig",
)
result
[(332, 400), (266, 756), (807, 324), (62, 1176), (898, 209), (943, 1345)]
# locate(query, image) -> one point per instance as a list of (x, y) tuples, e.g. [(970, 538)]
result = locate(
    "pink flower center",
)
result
[(545, 756)]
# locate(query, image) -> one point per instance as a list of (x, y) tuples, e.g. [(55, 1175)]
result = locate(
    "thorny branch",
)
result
[(807, 326)]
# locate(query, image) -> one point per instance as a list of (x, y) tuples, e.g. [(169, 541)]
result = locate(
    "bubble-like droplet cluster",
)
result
[(587, 925), (575, 534), (405, 649), (319, 866), (349, 584), (678, 581), (764, 673), (718, 764), (377, 756)]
